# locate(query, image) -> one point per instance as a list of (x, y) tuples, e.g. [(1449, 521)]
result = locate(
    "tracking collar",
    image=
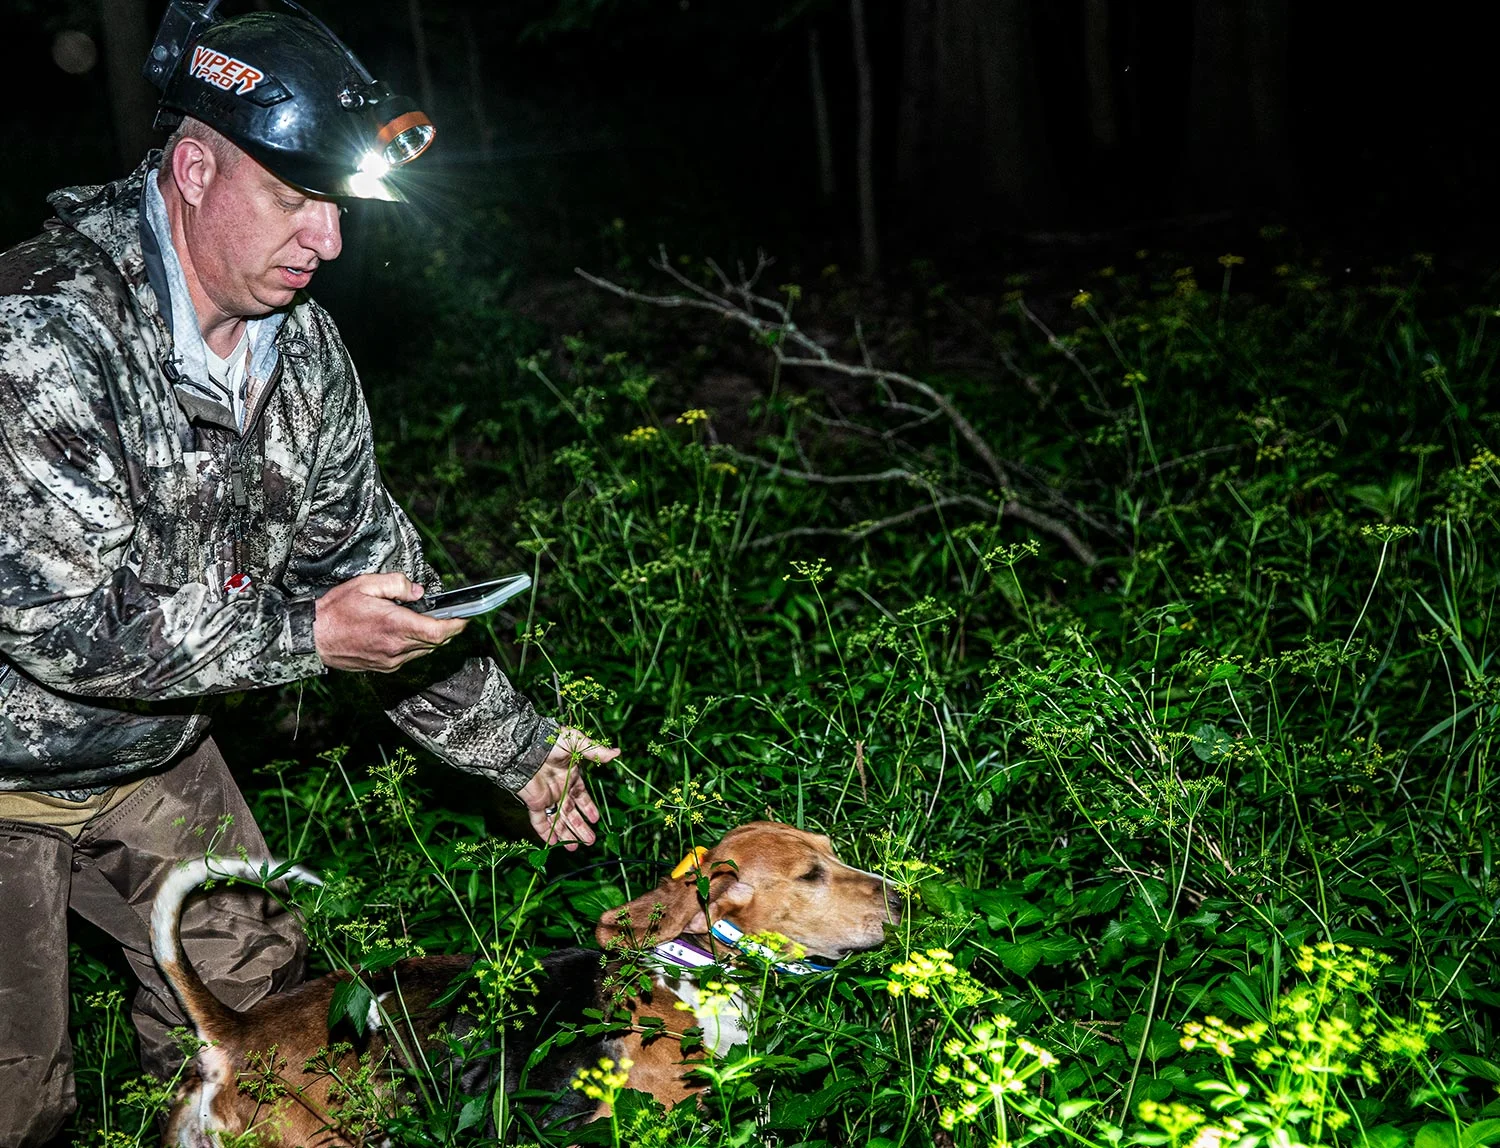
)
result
[(687, 955)]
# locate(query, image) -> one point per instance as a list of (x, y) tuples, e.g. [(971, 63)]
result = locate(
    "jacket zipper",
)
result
[(239, 526)]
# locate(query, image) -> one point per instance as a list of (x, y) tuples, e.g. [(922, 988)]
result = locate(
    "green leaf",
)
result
[(351, 1001), (471, 1114), (377, 959), (1242, 998), (1383, 1136), (1480, 1132), (1022, 956), (1071, 1108), (939, 897), (1435, 1136), (1475, 1066), (1210, 743), (798, 1111)]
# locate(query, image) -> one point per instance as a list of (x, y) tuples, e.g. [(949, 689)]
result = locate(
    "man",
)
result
[(189, 505)]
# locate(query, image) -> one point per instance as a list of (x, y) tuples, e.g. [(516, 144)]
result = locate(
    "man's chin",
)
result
[(273, 298)]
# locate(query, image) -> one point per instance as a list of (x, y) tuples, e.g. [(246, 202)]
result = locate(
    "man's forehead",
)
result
[(268, 180)]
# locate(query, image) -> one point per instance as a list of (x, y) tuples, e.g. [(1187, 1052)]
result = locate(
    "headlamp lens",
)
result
[(406, 137)]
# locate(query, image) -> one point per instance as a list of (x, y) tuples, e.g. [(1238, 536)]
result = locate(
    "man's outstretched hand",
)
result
[(361, 624), (556, 799)]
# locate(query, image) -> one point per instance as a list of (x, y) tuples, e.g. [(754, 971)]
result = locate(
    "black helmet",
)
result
[(286, 90)]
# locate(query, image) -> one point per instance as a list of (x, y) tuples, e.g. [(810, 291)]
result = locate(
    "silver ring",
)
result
[(550, 811)]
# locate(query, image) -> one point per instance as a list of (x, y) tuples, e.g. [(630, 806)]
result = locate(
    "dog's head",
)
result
[(766, 877)]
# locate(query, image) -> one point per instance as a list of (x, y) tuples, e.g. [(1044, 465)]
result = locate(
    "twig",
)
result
[(1062, 348), (937, 787), (780, 330), (855, 533)]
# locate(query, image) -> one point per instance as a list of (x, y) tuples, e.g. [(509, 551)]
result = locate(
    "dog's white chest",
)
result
[(725, 1023)]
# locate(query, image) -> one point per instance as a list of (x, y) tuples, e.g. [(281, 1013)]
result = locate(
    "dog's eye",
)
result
[(813, 874)]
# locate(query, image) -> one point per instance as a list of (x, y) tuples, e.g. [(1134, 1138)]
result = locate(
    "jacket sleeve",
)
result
[(74, 612), (473, 719)]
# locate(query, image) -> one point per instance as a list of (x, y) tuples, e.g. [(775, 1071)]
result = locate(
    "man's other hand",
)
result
[(556, 800), (361, 624)]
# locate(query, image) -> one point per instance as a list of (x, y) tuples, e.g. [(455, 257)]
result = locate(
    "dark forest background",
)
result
[(964, 131), (1089, 517)]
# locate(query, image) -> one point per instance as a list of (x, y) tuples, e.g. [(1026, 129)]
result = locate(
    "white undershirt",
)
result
[(231, 373)]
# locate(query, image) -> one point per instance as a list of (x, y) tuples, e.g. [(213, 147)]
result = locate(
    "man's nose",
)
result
[(320, 232)]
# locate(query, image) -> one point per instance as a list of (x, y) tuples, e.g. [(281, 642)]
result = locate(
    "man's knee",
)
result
[(36, 1097), (36, 1060), (243, 945)]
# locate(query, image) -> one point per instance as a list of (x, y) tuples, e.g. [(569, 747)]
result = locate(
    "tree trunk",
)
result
[(419, 47), (864, 150), (1266, 58), (913, 154), (1099, 67), (484, 130), (1237, 128), (823, 132), (970, 116), (127, 40)]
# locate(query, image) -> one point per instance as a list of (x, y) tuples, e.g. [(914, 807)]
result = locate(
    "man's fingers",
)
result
[(572, 742), (566, 830), (584, 803), (393, 585)]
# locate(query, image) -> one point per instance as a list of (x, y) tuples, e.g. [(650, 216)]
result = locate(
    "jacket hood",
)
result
[(109, 216)]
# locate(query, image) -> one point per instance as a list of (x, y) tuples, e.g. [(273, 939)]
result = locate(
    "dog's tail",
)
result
[(208, 1015)]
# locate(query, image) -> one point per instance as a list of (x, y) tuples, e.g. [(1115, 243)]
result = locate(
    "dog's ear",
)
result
[(671, 909), (652, 917), (724, 897)]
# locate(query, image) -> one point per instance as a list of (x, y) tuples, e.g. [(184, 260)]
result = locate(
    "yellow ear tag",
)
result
[(693, 860)]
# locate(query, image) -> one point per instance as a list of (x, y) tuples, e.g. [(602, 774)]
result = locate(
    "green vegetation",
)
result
[(1184, 758)]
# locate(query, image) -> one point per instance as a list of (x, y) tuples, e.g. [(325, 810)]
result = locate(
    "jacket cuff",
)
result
[(523, 769), (300, 613)]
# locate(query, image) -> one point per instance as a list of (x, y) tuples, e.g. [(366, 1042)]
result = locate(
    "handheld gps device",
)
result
[(467, 601)]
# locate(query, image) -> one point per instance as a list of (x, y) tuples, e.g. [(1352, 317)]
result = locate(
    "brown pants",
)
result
[(107, 870)]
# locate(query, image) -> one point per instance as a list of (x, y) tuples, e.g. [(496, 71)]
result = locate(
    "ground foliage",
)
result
[(1198, 838)]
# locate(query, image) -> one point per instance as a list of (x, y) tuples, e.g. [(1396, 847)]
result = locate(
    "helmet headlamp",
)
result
[(290, 93)]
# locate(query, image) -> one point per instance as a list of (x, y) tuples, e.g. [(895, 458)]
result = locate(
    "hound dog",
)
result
[(278, 1069)]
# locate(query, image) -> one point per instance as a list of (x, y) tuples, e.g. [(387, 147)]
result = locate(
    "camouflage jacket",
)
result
[(127, 500)]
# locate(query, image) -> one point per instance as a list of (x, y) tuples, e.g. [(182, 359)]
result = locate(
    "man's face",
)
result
[(255, 241)]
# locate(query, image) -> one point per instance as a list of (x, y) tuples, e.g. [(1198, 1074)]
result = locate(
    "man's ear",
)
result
[(194, 167)]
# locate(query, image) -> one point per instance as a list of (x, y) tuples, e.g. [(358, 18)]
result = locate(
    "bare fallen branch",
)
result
[(771, 321), (860, 530)]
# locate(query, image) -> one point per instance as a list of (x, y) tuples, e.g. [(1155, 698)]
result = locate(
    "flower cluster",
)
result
[(606, 1082), (685, 806), (1178, 1120), (933, 975), (1336, 966), (1484, 460), (773, 946), (815, 571), (715, 999), (1219, 1036), (1321, 1033), (696, 415), (641, 436), (988, 1069), (584, 691)]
